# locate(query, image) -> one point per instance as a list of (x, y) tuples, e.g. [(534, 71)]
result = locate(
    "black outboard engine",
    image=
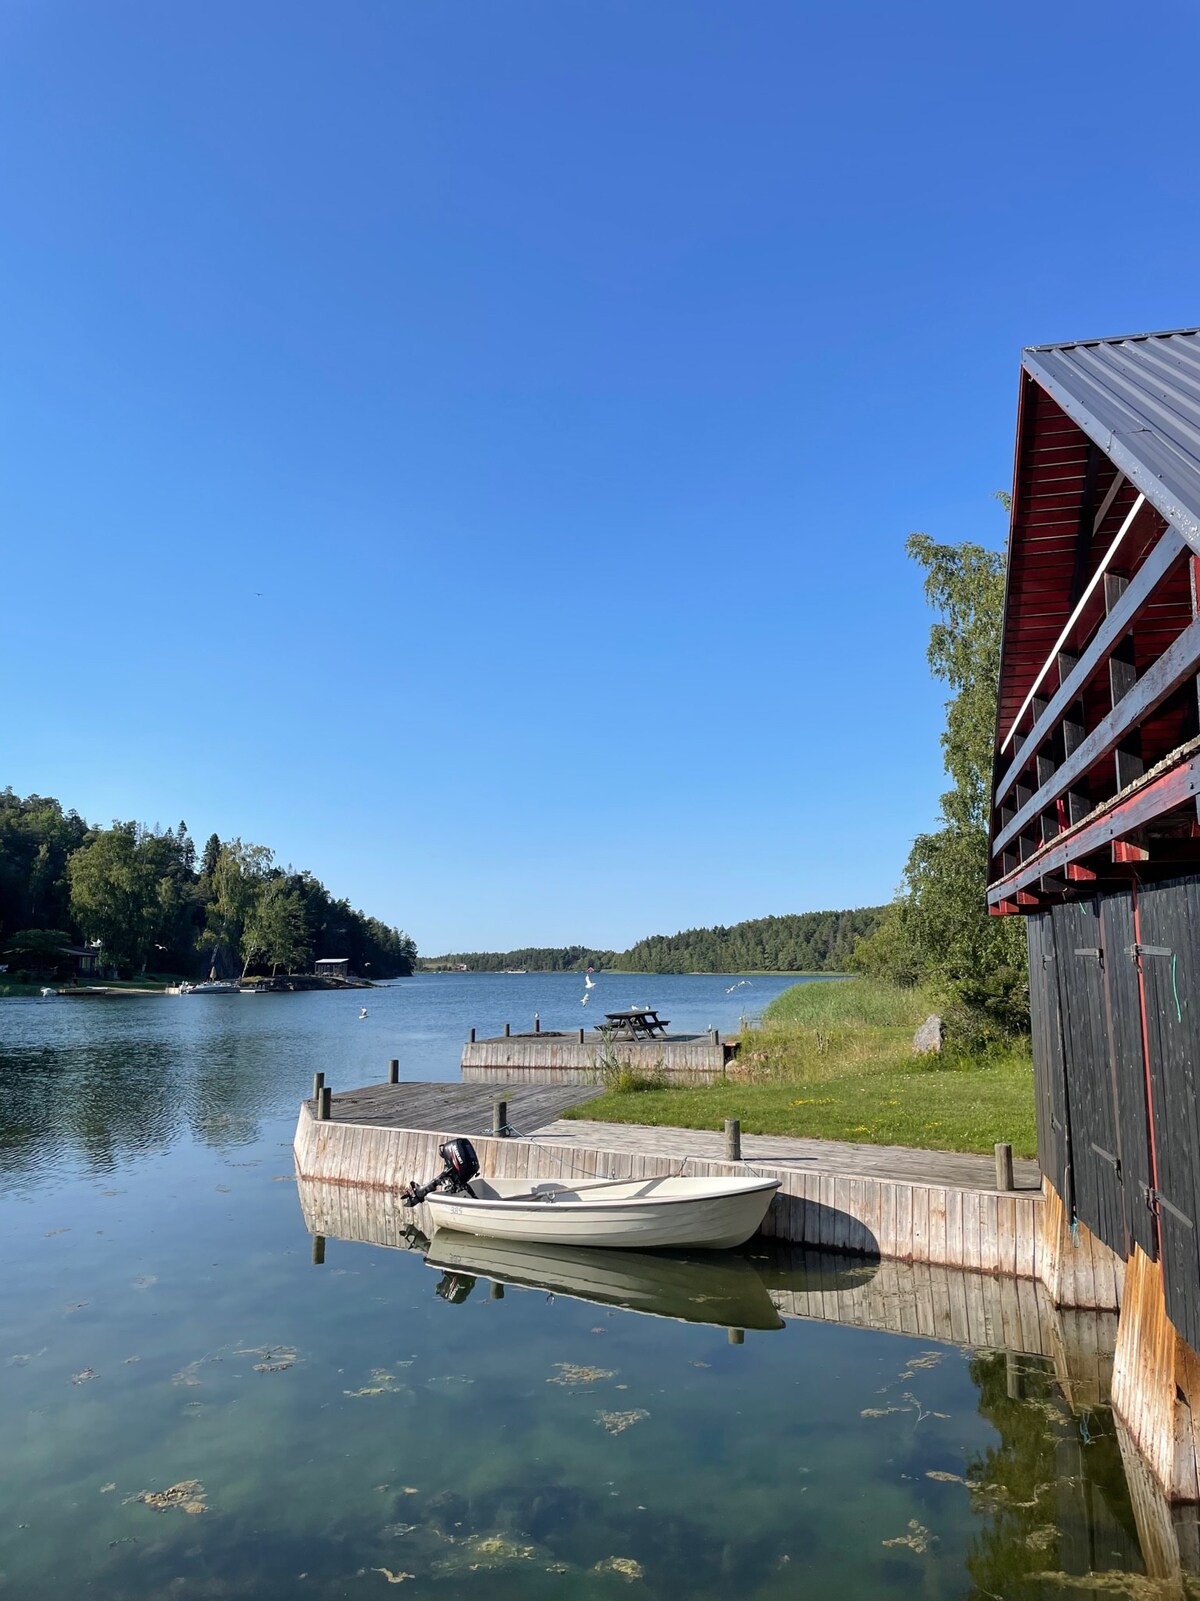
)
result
[(459, 1166)]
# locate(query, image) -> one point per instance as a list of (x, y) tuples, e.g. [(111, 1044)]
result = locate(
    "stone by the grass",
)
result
[(927, 1041)]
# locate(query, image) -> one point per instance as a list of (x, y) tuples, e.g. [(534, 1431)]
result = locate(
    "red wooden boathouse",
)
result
[(1095, 833)]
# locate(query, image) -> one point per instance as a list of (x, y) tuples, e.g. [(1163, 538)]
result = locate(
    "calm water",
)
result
[(376, 1422)]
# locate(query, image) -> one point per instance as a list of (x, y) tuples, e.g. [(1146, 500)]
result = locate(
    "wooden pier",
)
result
[(886, 1201), (582, 1056)]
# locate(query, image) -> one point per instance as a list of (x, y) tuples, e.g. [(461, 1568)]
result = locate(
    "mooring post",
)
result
[(499, 1118), (537, 1024), (471, 1036), (507, 1030), (581, 1036), (394, 1070), (733, 1139), (1004, 1167), (324, 1104), (737, 1336), (715, 1035), (318, 1086), (318, 1250)]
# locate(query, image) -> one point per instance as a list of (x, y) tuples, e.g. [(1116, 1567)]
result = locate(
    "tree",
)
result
[(235, 882), (939, 929), (114, 895), (276, 931)]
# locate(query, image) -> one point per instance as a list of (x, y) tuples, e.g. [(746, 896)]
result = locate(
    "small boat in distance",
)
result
[(515, 972), (212, 986)]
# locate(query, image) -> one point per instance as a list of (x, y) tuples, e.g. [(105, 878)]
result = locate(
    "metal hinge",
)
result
[(1158, 1203), (1094, 951), (1108, 1157), (1148, 950)]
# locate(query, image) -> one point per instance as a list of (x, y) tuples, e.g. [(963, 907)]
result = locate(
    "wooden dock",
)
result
[(907, 1205), (580, 1056)]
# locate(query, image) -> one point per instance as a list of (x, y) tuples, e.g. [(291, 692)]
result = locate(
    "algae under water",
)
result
[(193, 1409)]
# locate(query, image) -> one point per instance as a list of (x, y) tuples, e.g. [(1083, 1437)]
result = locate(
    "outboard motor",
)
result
[(459, 1166)]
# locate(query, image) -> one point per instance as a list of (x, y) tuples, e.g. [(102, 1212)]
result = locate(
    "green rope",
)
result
[(1175, 988)]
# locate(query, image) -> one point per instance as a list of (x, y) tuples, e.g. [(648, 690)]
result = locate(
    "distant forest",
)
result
[(807, 942), (158, 905)]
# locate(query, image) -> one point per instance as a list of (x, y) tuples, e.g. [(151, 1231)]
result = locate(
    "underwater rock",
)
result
[(625, 1566), (573, 1377), (917, 1539), (618, 1422), (83, 1376), (447, 1510), (189, 1495)]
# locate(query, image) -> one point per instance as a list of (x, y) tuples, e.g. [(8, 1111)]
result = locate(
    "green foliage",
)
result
[(939, 932), (835, 1061), (848, 1001), (536, 958), (809, 942), (139, 892), (276, 930)]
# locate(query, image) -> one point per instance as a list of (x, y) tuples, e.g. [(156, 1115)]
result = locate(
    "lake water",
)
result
[(375, 1425)]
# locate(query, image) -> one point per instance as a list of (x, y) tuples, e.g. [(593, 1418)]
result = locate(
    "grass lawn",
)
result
[(835, 1061)]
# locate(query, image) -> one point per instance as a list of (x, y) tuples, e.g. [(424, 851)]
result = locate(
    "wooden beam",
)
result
[(1176, 664), (1086, 529), (1123, 850), (1079, 875), (1148, 576), (1163, 794), (1076, 613)]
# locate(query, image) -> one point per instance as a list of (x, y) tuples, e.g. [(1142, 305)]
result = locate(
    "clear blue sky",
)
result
[(469, 447)]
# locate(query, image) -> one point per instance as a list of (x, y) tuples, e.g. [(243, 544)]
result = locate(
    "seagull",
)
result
[(584, 999), (362, 1012)]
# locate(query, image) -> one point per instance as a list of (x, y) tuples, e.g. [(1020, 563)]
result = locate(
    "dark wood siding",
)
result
[(1128, 1059), (1096, 1162), (1049, 1067), (1170, 930)]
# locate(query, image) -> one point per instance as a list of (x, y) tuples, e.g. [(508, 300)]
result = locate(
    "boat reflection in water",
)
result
[(729, 1289), (725, 1291)]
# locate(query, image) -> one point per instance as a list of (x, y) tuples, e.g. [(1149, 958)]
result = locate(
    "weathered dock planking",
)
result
[(580, 1057)]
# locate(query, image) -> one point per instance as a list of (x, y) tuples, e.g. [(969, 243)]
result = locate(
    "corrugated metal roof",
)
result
[(1139, 399)]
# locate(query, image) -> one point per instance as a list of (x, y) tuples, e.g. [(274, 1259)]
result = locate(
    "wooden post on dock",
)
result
[(537, 1024), (499, 1119), (472, 1036), (318, 1086), (507, 1030), (715, 1035), (733, 1139), (737, 1336), (581, 1036), (318, 1250), (1004, 1167), (324, 1104), (394, 1070)]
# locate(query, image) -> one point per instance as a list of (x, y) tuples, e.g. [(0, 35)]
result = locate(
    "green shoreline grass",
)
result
[(834, 1061)]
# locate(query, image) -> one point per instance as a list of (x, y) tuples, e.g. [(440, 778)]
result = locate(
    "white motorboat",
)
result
[(211, 987), (707, 1214)]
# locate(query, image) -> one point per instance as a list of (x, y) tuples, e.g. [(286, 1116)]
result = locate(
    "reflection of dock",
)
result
[(754, 1287), (580, 1056)]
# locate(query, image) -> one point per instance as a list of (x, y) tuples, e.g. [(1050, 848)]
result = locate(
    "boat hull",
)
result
[(646, 1214)]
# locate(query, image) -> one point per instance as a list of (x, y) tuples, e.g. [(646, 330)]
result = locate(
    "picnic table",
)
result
[(638, 1023)]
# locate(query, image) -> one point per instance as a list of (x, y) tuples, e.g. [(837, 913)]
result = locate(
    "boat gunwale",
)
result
[(484, 1202)]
